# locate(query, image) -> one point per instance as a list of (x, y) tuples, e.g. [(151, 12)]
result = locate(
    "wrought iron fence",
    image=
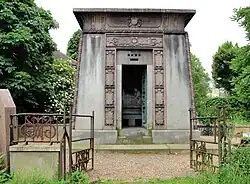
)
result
[(82, 160), (215, 135), (37, 127), (55, 128)]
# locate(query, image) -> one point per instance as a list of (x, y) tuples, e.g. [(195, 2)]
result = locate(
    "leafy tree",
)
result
[(221, 72), (241, 64), (25, 45), (37, 81), (61, 81), (201, 84), (73, 44), (242, 16)]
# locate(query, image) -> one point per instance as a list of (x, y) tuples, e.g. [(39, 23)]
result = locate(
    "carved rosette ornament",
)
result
[(110, 88), (159, 88), (134, 22)]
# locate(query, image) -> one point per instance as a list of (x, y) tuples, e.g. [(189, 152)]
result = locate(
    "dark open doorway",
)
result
[(134, 95)]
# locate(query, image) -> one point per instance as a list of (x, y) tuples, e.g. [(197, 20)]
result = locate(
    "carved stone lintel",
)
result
[(135, 41)]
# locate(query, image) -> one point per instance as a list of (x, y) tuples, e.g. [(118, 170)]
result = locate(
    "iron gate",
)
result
[(212, 148)]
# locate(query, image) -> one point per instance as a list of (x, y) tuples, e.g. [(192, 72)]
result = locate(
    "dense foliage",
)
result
[(73, 44), (231, 71), (62, 83), (25, 47), (201, 85), (221, 72), (241, 64), (27, 65)]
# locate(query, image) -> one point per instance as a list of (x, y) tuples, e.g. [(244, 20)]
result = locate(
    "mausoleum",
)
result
[(135, 73)]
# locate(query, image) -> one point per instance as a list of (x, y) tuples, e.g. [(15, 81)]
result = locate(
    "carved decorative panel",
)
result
[(159, 96), (109, 77), (109, 116), (134, 21), (110, 88), (159, 88), (109, 100), (134, 41), (159, 116), (110, 58), (159, 77)]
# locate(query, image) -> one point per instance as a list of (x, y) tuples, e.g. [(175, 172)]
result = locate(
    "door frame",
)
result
[(118, 90)]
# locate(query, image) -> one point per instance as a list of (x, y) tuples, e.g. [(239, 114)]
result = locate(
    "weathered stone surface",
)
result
[(173, 136), (7, 107), (133, 20), (101, 136), (91, 91), (177, 82), (37, 159)]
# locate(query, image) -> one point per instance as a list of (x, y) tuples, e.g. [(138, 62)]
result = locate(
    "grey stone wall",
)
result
[(178, 98), (91, 81)]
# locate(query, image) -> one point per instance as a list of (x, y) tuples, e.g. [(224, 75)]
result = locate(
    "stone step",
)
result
[(134, 140), (133, 132)]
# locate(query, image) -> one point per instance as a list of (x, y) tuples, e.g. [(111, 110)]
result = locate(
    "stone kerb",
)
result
[(7, 107)]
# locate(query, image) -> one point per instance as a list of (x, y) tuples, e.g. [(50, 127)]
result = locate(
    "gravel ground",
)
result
[(121, 166)]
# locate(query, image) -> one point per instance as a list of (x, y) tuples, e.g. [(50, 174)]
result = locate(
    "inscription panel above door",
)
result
[(134, 57)]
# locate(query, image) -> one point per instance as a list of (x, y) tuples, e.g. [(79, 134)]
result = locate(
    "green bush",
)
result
[(4, 176), (77, 177), (237, 169), (235, 111)]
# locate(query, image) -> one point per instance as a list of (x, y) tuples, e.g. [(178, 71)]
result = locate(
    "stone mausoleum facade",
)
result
[(135, 73)]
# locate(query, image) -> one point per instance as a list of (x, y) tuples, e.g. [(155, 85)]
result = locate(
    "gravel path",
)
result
[(133, 166)]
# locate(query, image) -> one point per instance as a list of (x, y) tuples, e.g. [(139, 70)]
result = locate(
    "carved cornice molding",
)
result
[(133, 22)]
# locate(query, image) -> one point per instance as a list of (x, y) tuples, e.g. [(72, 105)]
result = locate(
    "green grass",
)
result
[(37, 178), (181, 180), (200, 179)]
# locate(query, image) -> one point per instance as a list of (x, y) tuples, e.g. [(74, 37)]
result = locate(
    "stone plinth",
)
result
[(41, 159), (7, 107), (173, 136)]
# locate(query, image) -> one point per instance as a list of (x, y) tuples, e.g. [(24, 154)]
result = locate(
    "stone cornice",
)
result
[(133, 20)]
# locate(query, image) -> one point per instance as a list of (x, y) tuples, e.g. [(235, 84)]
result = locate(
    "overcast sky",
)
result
[(210, 27)]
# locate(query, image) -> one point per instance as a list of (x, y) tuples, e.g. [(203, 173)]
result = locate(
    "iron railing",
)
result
[(81, 160), (201, 156), (55, 128)]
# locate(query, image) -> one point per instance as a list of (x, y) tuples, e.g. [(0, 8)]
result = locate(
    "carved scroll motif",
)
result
[(159, 88), (109, 88), (128, 41)]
